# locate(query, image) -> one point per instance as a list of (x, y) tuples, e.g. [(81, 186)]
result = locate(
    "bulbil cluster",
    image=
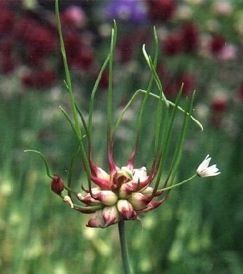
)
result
[(123, 194)]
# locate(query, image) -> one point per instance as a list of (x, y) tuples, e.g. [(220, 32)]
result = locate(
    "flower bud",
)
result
[(110, 215), (152, 205), (140, 174), (102, 174), (138, 200), (57, 185), (87, 198), (121, 177), (127, 189), (96, 220), (126, 209), (107, 197), (147, 191)]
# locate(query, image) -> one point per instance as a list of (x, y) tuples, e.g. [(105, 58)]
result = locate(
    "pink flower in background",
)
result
[(74, 17), (223, 8), (222, 49), (227, 53)]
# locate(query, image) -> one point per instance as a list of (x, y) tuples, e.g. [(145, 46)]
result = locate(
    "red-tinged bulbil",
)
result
[(126, 210), (57, 185), (122, 195), (110, 215), (97, 220)]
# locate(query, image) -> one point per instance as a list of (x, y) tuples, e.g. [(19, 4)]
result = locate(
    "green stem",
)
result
[(124, 249), (178, 184)]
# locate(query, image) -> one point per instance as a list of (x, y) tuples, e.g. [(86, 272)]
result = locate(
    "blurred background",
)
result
[(199, 228)]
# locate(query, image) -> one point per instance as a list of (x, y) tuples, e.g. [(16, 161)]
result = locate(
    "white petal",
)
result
[(140, 174), (204, 170)]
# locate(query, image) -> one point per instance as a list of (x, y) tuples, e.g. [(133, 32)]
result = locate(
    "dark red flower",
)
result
[(218, 108), (7, 20), (184, 40), (161, 10), (104, 81), (189, 83), (6, 46), (80, 55), (39, 79), (125, 49), (35, 36), (172, 44), (217, 44), (240, 91), (8, 60), (7, 64), (219, 105), (189, 37), (170, 89)]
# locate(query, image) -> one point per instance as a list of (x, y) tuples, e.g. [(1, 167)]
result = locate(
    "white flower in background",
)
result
[(204, 170)]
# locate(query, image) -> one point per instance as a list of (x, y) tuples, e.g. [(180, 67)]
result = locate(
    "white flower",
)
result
[(140, 174), (204, 170)]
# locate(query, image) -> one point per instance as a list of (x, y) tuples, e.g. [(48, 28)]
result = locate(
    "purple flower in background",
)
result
[(133, 11)]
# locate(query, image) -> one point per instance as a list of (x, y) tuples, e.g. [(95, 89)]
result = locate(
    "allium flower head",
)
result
[(123, 194)]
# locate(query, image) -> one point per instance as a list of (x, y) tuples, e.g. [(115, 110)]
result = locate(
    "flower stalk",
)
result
[(124, 249)]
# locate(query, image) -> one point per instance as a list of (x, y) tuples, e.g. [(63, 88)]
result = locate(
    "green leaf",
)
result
[(110, 85), (48, 173), (91, 104)]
